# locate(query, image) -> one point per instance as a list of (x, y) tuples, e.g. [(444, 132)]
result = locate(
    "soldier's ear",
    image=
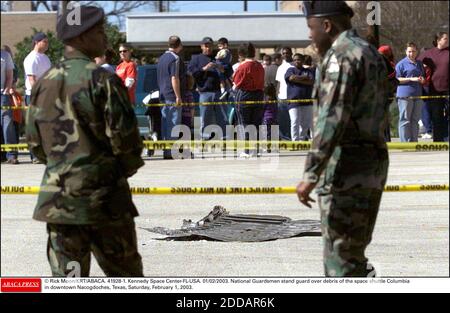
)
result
[(327, 25)]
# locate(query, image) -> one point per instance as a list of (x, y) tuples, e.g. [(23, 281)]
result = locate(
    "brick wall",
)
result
[(18, 25)]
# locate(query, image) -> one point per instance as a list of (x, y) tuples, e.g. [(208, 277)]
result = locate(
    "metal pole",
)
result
[(373, 34), (276, 6), (376, 33), (245, 6), (160, 6), (63, 8)]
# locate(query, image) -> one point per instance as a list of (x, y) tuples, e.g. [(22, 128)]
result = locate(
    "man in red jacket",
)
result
[(249, 82), (127, 71)]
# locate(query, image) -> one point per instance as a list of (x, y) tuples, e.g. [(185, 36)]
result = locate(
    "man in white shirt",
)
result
[(35, 65), (284, 120)]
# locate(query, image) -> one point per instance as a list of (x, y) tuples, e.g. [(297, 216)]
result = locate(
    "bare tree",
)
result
[(35, 5), (116, 9), (6, 6), (403, 21)]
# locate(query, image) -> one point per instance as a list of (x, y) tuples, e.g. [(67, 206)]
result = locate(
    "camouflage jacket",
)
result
[(82, 126), (351, 92)]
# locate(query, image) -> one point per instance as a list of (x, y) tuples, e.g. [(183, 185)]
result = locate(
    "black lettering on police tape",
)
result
[(206, 146), (300, 147), (433, 187), (140, 190), (431, 147), (13, 189), (178, 190), (261, 190), (393, 188), (159, 146)]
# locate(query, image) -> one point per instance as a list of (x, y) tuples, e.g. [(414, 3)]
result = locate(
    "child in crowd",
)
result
[(270, 110), (223, 58)]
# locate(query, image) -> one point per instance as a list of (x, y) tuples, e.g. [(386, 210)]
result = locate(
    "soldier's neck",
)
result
[(70, 49)]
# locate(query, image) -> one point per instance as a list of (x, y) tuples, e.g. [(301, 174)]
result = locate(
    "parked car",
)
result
[(146, 84)]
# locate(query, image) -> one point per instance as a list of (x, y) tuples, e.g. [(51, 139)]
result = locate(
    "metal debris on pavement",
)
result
[(220, 225)]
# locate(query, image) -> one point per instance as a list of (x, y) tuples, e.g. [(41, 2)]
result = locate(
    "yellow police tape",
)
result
[(234, 102), (15, 147), (31, 190), (194, 103), (272, 145), (13, 107), (270, 101)]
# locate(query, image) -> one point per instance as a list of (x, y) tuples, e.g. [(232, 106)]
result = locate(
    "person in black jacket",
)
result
[(206, 74)]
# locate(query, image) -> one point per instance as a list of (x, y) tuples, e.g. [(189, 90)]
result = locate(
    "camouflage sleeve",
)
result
[(32, 133), (121, 127), (335, 94)]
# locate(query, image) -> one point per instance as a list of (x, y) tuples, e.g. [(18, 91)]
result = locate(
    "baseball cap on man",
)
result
[(207, 40), (89, 17), (38, 37), (326, 8)]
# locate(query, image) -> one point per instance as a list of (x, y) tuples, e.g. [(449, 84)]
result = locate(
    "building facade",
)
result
[(267, 31), (18, 23)]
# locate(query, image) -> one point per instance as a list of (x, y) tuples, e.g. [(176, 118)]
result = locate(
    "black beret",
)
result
[(326, 8), (87, 16)]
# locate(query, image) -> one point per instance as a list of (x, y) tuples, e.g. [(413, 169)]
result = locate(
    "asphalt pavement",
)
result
[(411, 237)]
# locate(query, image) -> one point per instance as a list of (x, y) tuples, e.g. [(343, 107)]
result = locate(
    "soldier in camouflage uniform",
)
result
[(348, 146), (82, 126)]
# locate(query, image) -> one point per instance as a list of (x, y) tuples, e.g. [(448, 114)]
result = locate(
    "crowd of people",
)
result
[(281, 78), (277, 78), (35, 65), (417, 76), (287, 77)]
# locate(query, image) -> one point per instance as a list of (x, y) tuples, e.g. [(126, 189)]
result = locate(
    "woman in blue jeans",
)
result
[(410, 73)]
